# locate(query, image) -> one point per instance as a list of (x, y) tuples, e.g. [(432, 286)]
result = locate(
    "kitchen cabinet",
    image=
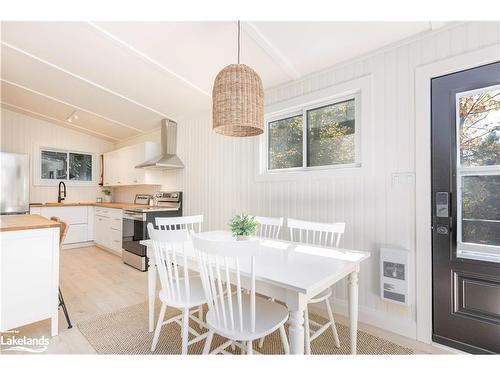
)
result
[(101, 230), (80, 220), (119, 165), (29, 272), (108, 229)]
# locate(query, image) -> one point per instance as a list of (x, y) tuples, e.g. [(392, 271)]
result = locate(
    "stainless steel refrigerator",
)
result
[(15, 183)]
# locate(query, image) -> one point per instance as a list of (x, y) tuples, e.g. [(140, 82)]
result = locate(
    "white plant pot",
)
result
[(107, 198), (242, 238)]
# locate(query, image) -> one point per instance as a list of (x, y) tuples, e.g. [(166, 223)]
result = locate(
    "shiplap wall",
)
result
[(219, 178), (20, 133)]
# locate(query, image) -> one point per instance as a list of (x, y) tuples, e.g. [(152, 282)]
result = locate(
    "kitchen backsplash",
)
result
[(127, 193)]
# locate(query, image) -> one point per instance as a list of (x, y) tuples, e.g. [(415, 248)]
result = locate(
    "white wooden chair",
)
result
[(238, 316), (269, 227), (323, 234), (178, 289), (191, 224)]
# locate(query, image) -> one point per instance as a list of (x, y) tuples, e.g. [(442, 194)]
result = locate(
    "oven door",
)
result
[(134, 230)]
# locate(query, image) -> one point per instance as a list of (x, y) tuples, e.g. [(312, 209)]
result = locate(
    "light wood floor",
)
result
[(95, 282)]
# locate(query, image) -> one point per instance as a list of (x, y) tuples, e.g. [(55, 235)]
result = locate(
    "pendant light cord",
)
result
[(238, 42)]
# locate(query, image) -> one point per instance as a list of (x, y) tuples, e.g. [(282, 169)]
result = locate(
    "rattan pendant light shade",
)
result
[(238, 101)]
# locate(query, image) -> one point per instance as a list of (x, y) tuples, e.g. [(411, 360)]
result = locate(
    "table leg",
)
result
[(353, 308), (296, 331), (151, 293)]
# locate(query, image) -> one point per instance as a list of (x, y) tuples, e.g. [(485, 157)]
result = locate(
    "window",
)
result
[(330, 134), (318, 136), (65, 165), (285, 143), (80, 167), (478, 172), (54, 165)]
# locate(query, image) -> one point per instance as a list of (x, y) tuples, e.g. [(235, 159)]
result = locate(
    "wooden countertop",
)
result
[(25, 222), (119, 205)]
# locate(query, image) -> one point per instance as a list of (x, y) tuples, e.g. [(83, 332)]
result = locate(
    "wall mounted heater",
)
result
[(394, 275)]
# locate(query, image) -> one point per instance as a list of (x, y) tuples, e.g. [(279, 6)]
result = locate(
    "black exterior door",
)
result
[(466, 209)]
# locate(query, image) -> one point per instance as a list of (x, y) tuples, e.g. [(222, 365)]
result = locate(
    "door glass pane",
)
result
[(285, 143), (54, 165), (479, 127), (481, 210), (80, 167), (330, 134)]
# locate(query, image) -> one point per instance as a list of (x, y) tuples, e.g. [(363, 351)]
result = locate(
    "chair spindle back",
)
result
[(171, 262), (269, 227), (190, 223), (322, 234), (221, 264)]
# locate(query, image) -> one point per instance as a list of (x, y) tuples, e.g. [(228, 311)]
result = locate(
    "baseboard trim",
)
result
[(77, 245), (371, 317)]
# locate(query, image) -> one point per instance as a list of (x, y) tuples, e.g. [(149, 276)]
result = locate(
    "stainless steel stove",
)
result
[(135, 222)]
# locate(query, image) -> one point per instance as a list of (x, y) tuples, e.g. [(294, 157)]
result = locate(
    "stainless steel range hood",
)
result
[(168, 158)]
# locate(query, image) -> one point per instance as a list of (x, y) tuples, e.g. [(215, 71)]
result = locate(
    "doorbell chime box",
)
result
[(394, 269)]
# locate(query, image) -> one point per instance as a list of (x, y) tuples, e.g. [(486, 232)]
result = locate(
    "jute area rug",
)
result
[(125, 331)]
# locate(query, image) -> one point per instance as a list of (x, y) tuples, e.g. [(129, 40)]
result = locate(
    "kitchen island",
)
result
[(29, 271)]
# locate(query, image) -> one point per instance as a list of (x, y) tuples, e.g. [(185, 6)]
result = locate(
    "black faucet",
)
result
[(61, 197)]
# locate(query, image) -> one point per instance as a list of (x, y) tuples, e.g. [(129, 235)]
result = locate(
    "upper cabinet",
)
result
[(119, 165)]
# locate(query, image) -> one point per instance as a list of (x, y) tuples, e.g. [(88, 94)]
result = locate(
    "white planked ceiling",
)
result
[(122, 78)]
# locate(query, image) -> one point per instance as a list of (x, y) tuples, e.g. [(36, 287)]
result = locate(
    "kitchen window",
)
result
[(70, 166), (318, 136)]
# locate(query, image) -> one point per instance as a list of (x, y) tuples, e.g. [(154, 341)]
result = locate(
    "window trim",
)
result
[(37, 168), (303, 110), (361, 85), (471, 250)]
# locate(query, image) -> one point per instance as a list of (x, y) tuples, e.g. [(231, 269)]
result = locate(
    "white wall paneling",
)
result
[(23, 134), (219, 179)]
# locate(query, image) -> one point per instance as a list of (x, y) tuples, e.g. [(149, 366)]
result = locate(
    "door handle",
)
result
[(443, 229)]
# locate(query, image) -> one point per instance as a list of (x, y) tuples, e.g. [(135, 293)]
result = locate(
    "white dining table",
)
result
[(289, 272)]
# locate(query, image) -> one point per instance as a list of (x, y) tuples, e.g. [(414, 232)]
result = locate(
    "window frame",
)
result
[(303, 110), (37, 168), (471, 250)]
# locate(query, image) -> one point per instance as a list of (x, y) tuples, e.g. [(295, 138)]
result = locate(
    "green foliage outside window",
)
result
[(285, 143), (330, 132), (479, 143)]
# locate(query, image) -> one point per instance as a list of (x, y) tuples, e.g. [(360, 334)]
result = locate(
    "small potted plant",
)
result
[(107, 195), (243, 226)]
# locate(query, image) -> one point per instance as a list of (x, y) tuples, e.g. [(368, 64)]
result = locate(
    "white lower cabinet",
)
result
[(87, 223), (76, 233), (101, 228), (108, 229), (80, 220)]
